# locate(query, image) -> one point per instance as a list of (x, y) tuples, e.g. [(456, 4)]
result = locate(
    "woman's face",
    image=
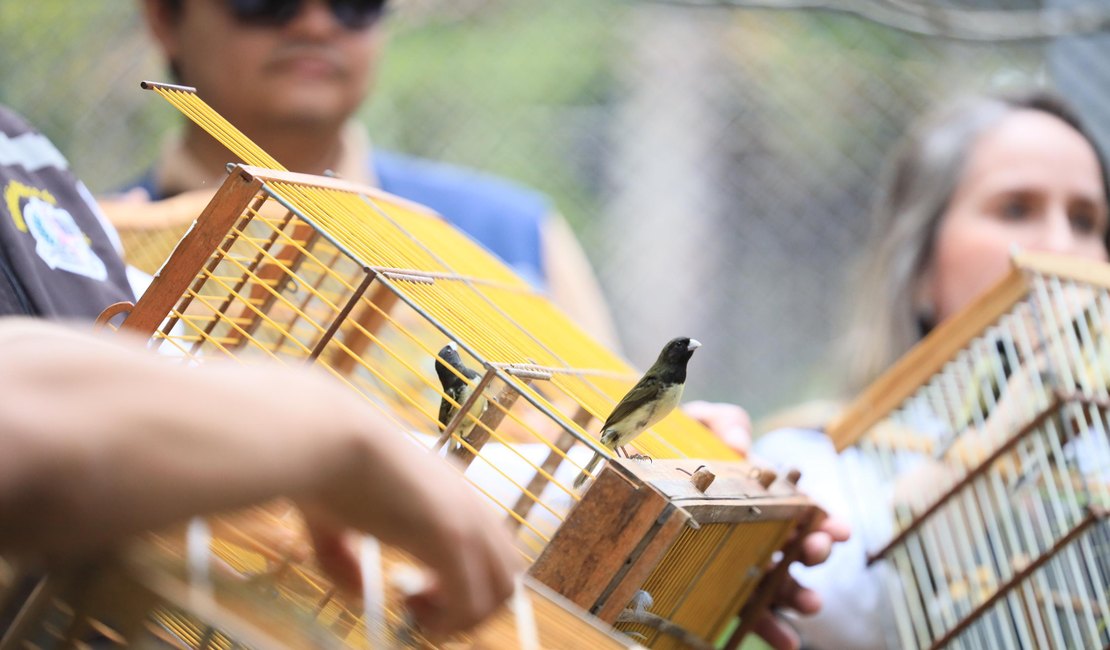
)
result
[(1032, 182)]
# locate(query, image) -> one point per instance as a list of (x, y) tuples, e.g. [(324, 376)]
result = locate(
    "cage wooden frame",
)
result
[(1005, 408)]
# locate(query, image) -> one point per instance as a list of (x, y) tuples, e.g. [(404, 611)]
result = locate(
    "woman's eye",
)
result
[(1014, 209), (1082, 223)]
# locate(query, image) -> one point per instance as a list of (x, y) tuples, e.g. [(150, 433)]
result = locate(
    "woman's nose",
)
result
[(1057, 235)]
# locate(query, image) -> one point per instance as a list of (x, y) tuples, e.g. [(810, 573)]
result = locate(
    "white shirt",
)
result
[(856, 611)]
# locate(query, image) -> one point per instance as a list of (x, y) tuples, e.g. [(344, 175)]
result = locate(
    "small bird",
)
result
[(649, 401), (458, 388)]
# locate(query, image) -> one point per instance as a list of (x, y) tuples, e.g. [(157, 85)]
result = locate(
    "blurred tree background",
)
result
[(716, 160)]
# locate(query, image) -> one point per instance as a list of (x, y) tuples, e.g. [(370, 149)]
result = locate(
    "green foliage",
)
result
[(515, 73)]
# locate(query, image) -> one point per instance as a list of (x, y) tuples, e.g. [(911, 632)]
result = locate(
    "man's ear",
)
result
[(161, 20)]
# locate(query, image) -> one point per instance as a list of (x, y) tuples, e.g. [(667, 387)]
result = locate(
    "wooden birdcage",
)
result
[(300, 269), (145, 597), (990, 441)]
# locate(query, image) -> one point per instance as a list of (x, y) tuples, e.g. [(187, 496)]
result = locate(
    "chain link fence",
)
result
[(716, 158)]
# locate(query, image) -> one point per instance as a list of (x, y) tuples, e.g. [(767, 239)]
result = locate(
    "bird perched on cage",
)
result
[(457, 378), (649, 401)]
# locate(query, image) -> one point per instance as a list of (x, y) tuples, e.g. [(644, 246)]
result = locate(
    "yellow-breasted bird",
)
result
[(649, 401), (458, 388)]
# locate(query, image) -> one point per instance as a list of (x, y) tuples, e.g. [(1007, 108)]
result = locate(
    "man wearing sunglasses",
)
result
[(291, 74)]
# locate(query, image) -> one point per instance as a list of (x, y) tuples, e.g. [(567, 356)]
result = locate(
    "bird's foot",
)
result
[(642, 457)]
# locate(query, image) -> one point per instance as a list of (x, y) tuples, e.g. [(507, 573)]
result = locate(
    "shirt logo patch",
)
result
[(60, 242)]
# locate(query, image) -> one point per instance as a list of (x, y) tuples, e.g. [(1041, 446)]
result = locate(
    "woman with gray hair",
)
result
[(966, 186), (893, 304)]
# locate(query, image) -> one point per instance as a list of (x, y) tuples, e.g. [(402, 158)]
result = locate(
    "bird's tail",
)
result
[(586, 471)]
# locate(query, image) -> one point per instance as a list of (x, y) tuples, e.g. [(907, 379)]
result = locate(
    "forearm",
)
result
[(96, 455), (98, 441), (572, 284), (128, 213)]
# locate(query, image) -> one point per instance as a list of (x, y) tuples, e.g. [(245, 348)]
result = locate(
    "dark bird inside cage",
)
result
[(458, 382), (649, 401)]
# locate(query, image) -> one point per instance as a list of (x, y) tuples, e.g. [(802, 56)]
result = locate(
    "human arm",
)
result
[(134, 209), (572, 284), (101, 440)]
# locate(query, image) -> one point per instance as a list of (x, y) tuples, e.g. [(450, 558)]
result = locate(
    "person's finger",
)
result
[(816, 548), (462, 594), (818, 545), (793, 595), (427, 609), (838, 529), (334, 552), (729, 422), (776, 633)]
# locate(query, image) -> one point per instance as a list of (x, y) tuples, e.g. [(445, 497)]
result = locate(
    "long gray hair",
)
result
[(920, 178)]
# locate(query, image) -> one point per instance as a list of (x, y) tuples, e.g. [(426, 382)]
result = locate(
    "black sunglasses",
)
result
[(352, 14)]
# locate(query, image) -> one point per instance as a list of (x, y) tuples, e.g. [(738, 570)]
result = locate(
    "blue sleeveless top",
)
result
[(507, 219)]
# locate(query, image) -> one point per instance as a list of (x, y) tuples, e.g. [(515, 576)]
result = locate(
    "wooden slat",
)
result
[(194, 249), (536, 486), (921, 518), (1094, 515), (489, 421), (646, 561), (924, 360), (384, 298), (597, 538), (1065, 266)]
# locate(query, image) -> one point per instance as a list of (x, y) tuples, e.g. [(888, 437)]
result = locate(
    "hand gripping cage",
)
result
[(990, 440), (300, 269)]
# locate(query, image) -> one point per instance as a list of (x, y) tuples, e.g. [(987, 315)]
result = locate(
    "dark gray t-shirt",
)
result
[(56, 257)]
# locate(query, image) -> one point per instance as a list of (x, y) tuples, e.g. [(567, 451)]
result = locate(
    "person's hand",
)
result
[(733, 426), (728, 422), (816, 548), (418, 503)]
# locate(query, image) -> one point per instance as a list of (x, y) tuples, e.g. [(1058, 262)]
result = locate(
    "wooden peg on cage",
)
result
[(702, 478), (765, 476)]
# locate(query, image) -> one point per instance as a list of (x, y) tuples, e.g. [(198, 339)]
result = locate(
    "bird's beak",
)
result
[(694, 345)]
